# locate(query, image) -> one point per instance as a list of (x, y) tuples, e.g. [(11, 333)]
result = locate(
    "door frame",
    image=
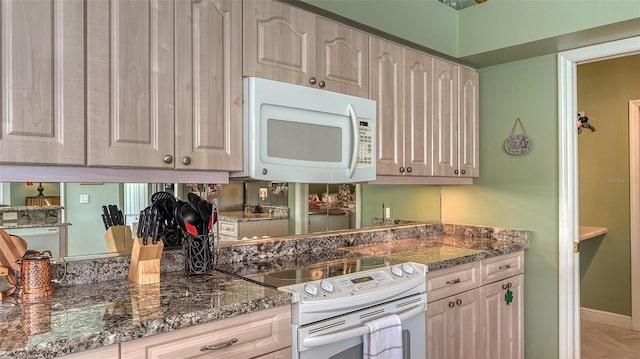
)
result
[(568, 256), (634, 209)]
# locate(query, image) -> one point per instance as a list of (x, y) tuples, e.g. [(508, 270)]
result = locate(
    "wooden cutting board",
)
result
[(12, 248)]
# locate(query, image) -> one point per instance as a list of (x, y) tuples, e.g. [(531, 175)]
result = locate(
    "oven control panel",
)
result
[(352, 285)]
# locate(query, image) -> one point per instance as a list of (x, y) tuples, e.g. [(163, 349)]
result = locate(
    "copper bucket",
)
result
[(35, 275)]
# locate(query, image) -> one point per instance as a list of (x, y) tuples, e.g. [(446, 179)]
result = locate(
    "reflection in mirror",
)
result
[(315, 208)]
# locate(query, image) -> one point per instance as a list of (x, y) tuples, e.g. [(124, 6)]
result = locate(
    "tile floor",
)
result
[(601, 341)]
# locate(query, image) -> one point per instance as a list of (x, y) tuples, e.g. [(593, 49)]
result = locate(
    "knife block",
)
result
[(119, 239), (145, 262)]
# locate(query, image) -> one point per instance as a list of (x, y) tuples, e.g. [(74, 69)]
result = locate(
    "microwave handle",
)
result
[(356, 140)]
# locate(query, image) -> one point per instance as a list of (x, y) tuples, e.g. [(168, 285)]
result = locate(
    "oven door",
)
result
[(341, 337)]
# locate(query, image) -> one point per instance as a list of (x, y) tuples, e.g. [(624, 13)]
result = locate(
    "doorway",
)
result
[(569, 257)]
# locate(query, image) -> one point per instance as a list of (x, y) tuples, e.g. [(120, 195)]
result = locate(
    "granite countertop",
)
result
[(242, 216), (28, 208), (33, 225), (85, 317)]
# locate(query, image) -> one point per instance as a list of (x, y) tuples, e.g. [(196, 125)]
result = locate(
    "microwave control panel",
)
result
[(365, 155)]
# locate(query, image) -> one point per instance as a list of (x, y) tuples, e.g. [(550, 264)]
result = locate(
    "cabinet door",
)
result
[(503, 335), (343, 59), (209, 85), (417, 113), (42, 82), (469, 136), (445, 118), (279, 42), (453, 327), (387, 89), (130, 82)]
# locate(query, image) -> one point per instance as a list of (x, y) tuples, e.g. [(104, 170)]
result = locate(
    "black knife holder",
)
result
[(198, 255), (119, 239), (145, 262)]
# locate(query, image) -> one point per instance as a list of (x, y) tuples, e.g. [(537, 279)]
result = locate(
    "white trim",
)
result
[(608, 318), (634, 209), (568, 263)]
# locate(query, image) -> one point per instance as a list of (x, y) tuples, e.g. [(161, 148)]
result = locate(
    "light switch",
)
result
[(84, 198)]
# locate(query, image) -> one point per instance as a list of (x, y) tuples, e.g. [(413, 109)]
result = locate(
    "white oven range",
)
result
[(329, 315)]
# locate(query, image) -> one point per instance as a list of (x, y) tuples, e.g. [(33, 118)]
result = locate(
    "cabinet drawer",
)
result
[(244, 336), (229, 228), (505, 266), (446, 282), (109, 352)]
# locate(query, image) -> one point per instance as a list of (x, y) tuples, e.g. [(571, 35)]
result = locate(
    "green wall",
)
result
[(420, 203), (604, 91), (86, 233), (426, 23), (20, 190), (519, 192), (500, 24)]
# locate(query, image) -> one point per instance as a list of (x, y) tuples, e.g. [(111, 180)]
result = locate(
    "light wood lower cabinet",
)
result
[(468, 315), (110, 352), (245, 336), (231, 231)]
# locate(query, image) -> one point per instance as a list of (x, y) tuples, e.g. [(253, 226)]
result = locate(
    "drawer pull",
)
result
[(452, 304), (506, 266), (459, 301), (453, 281), (219, 346)]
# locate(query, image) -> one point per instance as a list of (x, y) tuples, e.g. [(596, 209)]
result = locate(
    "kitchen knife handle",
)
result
[(104, 220)]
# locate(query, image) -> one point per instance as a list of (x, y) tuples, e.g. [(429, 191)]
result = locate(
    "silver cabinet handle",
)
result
[(409, 169), (464, 171), (453, 281), (167, 158), (452, 304), (459, 301), (506, 266), (401, 169), (186, 160), (321, 84), (455, 172), (219, 346), (312, 80)]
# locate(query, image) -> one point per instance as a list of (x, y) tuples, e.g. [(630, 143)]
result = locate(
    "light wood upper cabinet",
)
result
[(42, 82), (401, 86), (469, 123), (130, 83), (445, 118), (418, 112), (387, 89), (279, 42), (343, 59), (456, 120), (208, 85), (164, 84), (284, 43)]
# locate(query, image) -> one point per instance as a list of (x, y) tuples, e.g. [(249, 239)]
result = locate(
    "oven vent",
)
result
[(409, 302), (325, 327), (370, 314)]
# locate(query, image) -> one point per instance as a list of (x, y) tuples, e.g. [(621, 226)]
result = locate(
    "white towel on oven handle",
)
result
[(384, 340)]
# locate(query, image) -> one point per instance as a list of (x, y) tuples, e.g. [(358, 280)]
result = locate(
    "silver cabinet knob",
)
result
[(455, 171), (186, 160), (464, 171), (452, 304), (401, 169), (459, 301), (409, 169), (312, 80), (167, 158), (321, 83)]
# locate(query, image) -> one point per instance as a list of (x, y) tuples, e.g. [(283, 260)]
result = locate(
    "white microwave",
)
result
[(294, 133)]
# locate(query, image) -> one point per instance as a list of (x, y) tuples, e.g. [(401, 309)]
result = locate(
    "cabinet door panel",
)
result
[(469, 123), (130, 85), (42, 82), (445, 118), (343, 58), (503, 332), (439, 329), (387, 90), (418, 113), (279, 42), (467, 325), (209, 85)]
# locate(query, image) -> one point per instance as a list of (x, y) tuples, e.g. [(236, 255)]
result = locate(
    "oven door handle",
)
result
[(356, 332)]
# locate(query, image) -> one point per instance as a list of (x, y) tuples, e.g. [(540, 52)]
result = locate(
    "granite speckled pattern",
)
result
[(49, 215), (240, 216), (85, 317)]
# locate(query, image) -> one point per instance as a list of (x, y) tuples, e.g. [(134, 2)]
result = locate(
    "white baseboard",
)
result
[(599, 316)]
